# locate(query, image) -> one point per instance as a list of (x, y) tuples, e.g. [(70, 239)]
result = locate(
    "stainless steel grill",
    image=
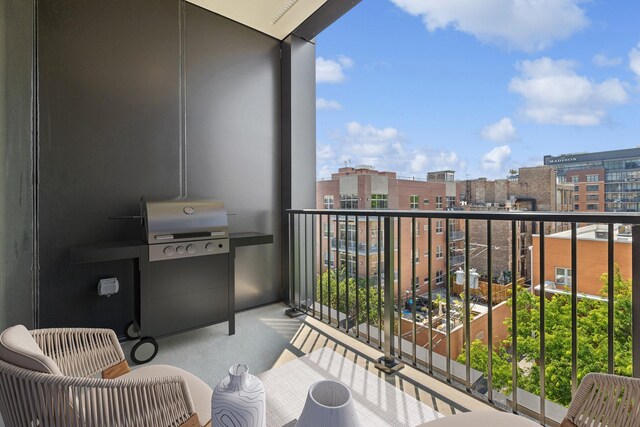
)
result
[(184, 228), (184, 271)]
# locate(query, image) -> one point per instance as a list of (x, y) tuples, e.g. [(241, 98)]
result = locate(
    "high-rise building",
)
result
[(363, 187), (607, 180)]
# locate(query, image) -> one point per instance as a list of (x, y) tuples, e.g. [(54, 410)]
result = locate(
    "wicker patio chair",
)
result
[(605, 400), (79, 377)]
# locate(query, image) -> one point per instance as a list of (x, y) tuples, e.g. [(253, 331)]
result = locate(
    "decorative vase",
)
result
[(239, 400), (329, 404)]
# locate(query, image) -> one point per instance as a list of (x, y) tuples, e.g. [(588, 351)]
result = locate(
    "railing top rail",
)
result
[(586, 217)]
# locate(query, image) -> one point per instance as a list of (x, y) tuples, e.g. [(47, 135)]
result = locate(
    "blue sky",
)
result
[(480, 87)]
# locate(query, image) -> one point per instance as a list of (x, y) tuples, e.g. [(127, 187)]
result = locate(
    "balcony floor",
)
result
[(266, 338)]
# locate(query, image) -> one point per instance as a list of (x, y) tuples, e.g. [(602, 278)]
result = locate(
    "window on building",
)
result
[(576, 188), (414, 202), (348, 263), (576, 197), (425, 201), (417, 255), (593, 187), (439, 227), (417, 283), (592, 178), (439, 253), (451, 201), (438, 202), (593, 206), (593, 197), (348, 201), (426, 254), (439, 277), (327, 230), (350, 233), (328, 202), (562, 179), (563, 276), (576, 207), (379, 201), (574, 178), (425, 227), (328, 261)]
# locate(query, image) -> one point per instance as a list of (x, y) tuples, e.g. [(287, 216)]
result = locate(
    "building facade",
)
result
[(621, 177), (591, 244), (532, 189), (363, 187)]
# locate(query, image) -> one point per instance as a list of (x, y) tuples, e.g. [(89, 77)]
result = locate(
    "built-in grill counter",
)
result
[(183, 267)]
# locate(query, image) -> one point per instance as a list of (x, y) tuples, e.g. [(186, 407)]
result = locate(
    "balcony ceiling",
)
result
[(276, 18)]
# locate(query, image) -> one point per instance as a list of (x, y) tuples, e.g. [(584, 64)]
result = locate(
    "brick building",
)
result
[(588, 189), (533, 188), (621, 181), (363, 187), (592, 241)]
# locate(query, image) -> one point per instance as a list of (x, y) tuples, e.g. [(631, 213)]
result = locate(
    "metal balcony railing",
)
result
[(375, 307)]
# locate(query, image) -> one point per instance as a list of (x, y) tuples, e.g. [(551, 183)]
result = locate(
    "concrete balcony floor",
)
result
[(266, 338)]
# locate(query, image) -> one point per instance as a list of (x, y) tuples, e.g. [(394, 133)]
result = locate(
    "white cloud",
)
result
[(554, 94), (325, 152), (634, 60), (502, 131), (325, 104), (345, 61), (423, 161), (528, 25), (332, 70), (494, 160), (384, 149), (602, 60)]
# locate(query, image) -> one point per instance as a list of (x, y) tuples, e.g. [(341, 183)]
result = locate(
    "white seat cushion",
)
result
[(18, 347), (200, 392), (482, 419)]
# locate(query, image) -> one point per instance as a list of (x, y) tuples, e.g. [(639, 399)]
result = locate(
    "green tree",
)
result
[(592, 340), (331, 290)]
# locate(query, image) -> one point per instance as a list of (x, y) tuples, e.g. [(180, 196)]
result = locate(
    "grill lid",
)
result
[(182, 220)]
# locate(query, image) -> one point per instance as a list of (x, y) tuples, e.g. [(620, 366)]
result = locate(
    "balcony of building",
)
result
[(449, 328), (104, 103)]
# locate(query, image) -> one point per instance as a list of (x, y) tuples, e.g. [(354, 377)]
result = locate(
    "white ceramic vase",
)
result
[(329, 404), (239, 400)]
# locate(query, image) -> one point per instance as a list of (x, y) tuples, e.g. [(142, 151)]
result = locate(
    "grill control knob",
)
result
[(169, 251), (210, 247), (180, 250), (191, 249)]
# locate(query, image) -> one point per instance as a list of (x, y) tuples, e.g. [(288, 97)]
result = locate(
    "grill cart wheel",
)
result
[(144, 350), (131, 331)]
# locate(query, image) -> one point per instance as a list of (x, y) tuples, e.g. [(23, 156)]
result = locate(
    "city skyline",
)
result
[(413, 85)]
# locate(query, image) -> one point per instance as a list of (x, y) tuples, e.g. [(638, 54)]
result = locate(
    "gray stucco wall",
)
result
[(16, 207)]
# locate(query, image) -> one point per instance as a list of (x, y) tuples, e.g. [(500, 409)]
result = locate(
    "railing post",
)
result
[(388, 363), (294, 250), (635, 295)]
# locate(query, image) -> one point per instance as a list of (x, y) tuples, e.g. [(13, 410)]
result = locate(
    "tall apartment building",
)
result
[(533, 188), (621, 181), (588, 190), (363, 187)]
